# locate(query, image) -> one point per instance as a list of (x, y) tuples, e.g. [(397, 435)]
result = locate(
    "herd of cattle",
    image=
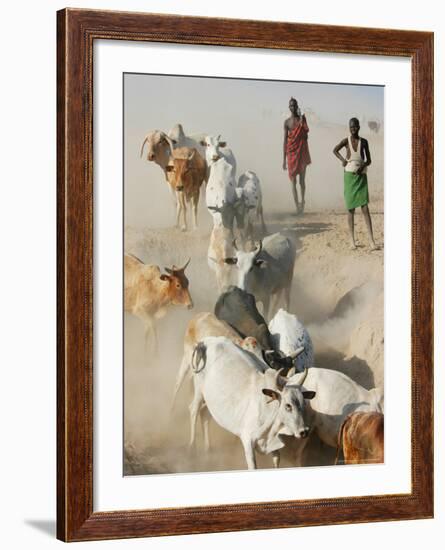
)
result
[(253, 373)]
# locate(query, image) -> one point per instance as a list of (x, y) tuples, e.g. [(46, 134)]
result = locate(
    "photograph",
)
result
[(253, 274)]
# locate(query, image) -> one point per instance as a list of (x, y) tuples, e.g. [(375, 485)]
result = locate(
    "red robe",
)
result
[(297, 149)]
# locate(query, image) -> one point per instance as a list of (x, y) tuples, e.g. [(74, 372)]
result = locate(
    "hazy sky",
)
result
[(249, 115)]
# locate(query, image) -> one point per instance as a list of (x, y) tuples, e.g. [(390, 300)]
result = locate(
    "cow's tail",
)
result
[(183, 370), (199, 357), (340, 440)]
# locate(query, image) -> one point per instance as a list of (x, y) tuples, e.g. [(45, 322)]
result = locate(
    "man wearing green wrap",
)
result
[(358, 158)]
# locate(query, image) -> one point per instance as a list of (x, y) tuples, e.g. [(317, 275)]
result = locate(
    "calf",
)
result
[(258, 407), (186, 172), (250, 203), (148, 293), (361, 437)]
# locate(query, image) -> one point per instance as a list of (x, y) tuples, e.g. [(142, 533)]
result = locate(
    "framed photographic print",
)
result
[(245, 228)]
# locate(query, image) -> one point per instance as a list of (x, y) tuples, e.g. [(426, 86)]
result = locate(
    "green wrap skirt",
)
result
[(356, 190)]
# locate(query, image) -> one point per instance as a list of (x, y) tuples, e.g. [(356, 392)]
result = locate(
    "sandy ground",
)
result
[(337, 293)]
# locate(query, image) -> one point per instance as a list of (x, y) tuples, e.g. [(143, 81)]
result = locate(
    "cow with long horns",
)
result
[(148, 293)]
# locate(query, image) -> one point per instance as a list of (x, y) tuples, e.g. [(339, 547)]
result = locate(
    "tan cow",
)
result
[(220, 248), (186, 171), (159, 147), (149, 293), (361, 438)]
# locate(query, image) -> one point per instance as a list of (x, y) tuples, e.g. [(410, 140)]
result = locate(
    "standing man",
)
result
[(358, 158), (296, 151)]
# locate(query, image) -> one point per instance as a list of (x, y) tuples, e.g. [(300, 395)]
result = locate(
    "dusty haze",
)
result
[(336, 292)]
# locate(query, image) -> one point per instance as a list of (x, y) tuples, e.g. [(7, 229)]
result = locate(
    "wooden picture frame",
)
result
[(76, 32)]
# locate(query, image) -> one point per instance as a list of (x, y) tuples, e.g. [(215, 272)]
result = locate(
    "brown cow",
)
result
[(186, 171), (148, 293), (361, 438)]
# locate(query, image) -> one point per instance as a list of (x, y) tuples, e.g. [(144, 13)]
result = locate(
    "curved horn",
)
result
[(303, 377), (192, 154), (281, 381), (296, 353), (143, 145), (185, 265), (259, 246), (234, 244)]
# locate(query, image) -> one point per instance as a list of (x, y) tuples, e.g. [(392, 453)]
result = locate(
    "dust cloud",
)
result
[(336, 292)]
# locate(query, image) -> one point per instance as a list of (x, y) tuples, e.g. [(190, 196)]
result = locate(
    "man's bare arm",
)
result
[(286, 131), (366, 162), (367, 153), (337, 149)]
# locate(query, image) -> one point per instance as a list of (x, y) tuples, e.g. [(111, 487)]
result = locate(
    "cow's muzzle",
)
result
[(304, 433)]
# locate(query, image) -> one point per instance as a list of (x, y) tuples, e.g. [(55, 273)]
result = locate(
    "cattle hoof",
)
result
[(183, 228)]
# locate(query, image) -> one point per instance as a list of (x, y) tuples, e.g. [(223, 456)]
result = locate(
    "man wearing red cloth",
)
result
[(296, 151)]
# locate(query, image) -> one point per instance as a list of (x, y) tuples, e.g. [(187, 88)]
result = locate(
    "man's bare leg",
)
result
[(302, 179), (293, 184), (367, 216), (351, 227)]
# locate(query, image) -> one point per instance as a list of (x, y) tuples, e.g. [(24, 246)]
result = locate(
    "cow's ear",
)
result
[(274, 395), (222, 143), (169, 168), (261, 263), (231, 261), (309, 394), (165, 277)]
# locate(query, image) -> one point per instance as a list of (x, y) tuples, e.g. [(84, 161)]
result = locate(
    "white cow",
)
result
[(250, 202), (178, 138), (288, 335), (336, 396), (221, 195), (267, 270), (216, 149), (220, 247), (256, 405)]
